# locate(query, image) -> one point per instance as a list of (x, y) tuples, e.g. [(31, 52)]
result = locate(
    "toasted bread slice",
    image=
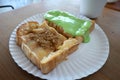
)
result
[(46, 45), (41, 52)]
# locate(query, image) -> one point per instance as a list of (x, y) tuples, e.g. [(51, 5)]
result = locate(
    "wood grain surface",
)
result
[(109, 22), (114, 5)]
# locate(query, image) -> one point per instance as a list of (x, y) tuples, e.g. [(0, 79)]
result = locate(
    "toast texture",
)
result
[(46, 45)]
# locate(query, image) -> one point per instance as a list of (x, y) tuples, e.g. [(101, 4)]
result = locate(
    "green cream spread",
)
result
[(70, 23)]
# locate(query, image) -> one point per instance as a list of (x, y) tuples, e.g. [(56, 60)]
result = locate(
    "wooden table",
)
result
[(109, 22), (114, 5)]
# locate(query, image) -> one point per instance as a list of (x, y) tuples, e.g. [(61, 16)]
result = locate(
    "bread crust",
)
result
[(51, 60)]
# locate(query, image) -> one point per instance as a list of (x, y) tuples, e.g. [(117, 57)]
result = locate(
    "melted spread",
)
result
[(70, 23)]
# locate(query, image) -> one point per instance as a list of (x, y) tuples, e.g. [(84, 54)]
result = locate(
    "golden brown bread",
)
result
[(29, 37)]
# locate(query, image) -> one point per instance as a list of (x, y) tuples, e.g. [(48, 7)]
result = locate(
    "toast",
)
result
[(46, 44), (43, 56)]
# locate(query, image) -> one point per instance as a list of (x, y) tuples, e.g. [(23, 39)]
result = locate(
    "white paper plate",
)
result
[(89, 58)]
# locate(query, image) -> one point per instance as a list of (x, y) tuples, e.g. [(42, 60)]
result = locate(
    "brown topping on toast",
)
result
[(44, 35)]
